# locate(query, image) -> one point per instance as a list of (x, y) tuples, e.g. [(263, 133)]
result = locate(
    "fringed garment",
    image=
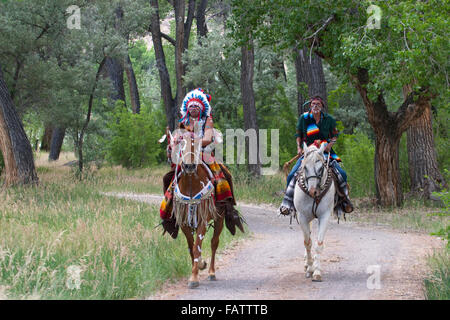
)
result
[(222, 193)]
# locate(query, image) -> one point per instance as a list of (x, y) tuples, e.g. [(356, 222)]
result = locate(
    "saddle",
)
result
[(339, 198)]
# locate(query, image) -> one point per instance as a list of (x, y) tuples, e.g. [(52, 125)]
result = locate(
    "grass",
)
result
[(62, 224), (437, 284)]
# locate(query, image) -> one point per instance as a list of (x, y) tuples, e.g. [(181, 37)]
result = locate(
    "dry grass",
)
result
[(64, 222)]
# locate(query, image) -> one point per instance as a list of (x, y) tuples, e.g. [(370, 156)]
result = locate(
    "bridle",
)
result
[(189, 168), (193, 201), (303, 179)]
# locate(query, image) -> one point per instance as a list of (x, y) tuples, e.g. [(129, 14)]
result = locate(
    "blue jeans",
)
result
[(299, 162)]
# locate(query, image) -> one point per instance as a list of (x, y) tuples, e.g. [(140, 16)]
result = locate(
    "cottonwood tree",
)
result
[(14, 143), (408, 47)]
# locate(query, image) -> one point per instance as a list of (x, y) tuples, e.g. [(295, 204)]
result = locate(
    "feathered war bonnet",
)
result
[(196, 97)]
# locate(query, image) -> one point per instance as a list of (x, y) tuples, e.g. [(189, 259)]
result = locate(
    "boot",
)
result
[(347, 205), (233, 219), (170, 226)]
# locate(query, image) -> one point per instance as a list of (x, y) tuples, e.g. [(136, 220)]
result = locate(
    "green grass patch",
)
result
[(63, 225), (437, 284)]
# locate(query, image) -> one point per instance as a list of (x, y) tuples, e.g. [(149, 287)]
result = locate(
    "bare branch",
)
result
[(325, 24)]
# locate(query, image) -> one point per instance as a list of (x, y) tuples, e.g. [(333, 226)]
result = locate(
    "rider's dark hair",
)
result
[(317, 97)]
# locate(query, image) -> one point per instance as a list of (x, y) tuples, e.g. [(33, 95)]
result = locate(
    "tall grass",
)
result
[(437, 284), (62, 224)]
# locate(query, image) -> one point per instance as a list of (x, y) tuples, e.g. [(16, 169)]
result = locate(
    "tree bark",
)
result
[(56, 143), (132, 84), (14, 144), (188, 23), (114, 71), (166, 89), (179, 6), (202, 28), (388, 128), (248, 100), (80, 139), (47, 138), (309, 70), (387, 170), (424, 174)]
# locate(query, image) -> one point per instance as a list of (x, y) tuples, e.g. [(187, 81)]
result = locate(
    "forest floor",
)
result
[(269, 263)]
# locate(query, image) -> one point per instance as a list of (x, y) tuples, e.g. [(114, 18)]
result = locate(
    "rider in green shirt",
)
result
[(317, 126)]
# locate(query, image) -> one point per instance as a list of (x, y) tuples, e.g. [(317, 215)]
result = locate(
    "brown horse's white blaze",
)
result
[(194, 208)]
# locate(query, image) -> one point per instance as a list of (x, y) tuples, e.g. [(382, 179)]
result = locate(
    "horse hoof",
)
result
[(308, 274), (193, 284), (212, 278), (317, 278)]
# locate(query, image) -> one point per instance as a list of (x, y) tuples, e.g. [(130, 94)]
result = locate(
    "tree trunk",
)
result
[(424, 173), (202, 28), (248, 101), (114, 70), (166, 89), (14, 143), (134, 91), (47, 138), (309, 71), (388, 128), (179, 6), (387, 170), (188, 24), (80, 139), (56, 144)]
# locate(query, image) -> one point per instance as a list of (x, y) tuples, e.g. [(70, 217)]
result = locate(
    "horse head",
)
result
[(312, 168), (189, 151)]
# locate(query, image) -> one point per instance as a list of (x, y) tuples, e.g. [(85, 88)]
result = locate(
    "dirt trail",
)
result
[(269, 265)]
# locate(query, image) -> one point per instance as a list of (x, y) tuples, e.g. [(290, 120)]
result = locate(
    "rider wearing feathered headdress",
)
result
[(195, 116)]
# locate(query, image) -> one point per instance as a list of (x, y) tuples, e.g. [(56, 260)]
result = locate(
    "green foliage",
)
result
[(357, 153), (441, 126), (411, 44), (437, 284), (134, 139), (444, 196)]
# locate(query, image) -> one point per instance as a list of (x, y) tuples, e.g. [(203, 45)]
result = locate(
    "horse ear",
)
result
[(322, 147)]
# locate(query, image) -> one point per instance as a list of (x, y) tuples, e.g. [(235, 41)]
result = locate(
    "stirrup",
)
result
[(285, 211), (347, 205)]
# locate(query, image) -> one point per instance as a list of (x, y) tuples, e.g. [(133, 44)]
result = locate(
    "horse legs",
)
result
[(190, 241), (323, 225), (218, 226), (198, 263), (306, 228)]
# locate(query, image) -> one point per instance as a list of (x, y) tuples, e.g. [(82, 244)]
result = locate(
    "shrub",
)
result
[(134, 141), (357, 152)]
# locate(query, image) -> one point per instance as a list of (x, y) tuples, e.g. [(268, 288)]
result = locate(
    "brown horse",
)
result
[(194, 206)]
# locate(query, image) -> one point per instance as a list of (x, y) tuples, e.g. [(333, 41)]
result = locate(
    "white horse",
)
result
[(314, 198)]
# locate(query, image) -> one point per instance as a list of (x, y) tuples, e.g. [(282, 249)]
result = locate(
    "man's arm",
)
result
[(299, 135), (299, 146), (209, 133), (333, 136)]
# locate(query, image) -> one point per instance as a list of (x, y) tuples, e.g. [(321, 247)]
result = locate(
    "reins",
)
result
[(303, 180)]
